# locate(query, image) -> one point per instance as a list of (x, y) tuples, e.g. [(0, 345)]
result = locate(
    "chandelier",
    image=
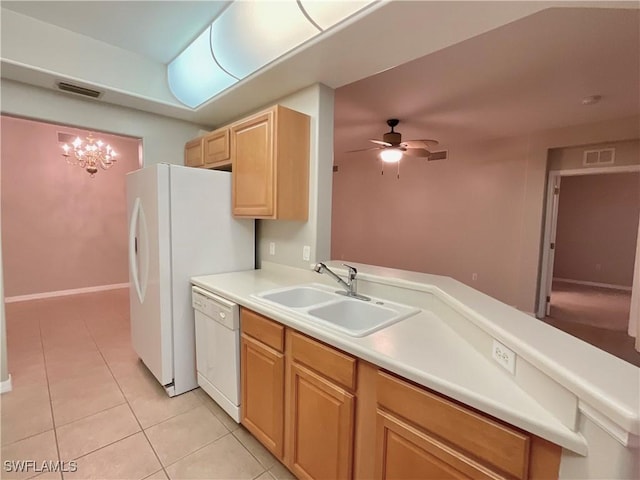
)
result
[(89, 154)]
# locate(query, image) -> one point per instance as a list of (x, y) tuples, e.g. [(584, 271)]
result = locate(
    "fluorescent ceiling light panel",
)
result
[(326, 13), (249, 35), (194, 77)]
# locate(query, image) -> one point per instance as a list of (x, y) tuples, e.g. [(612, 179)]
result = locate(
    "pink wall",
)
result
[(480, 211), (61, 229), (454, 217), (597, 228)]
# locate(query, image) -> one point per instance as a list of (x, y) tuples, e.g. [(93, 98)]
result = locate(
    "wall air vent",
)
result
[(603, 156), (66, 137), (441, 155), (78, 90)]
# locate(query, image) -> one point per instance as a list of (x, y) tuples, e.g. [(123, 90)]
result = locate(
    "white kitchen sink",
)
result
[(323, 306), (297, 297), (358, 318)]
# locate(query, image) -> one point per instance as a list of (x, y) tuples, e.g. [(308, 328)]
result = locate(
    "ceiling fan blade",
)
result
[(426, 143), (380, 142), (417, 152), (364, 149)]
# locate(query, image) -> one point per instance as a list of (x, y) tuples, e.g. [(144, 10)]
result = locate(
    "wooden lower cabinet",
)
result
[(421, 434), (262, 385), (405, 452), (327, 415), (321, 419)]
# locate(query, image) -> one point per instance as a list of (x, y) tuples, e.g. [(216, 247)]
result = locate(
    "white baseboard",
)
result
[(6, 385), (593, 284), (63, 293)]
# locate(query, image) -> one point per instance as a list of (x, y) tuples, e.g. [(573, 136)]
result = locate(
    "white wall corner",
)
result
[(6, 385)]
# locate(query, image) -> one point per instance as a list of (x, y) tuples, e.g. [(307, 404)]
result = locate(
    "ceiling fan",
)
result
[(392, 148)]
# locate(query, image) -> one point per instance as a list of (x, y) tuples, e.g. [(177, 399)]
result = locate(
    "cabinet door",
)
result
[(253, 166), (216, 148), (321, 422), (405, 452), (262, 406), (193, 153)]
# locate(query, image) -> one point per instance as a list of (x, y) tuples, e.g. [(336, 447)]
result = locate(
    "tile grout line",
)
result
[(104, 446), (255, 457), (198, 449), (201, 402), (164, 468), (90, 415), (46, 374), (128, 404)]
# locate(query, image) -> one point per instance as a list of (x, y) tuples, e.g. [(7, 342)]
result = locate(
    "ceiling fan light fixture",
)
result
[(391, 155)]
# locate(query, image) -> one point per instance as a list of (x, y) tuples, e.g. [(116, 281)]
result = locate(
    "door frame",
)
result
[(551, 221)]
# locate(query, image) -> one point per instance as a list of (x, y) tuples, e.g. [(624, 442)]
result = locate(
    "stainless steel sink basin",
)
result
[(323, 306), (297, 297)]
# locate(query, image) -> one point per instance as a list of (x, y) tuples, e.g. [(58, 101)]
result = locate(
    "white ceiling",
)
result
[(475, 69), (159, 30), (523, 77)]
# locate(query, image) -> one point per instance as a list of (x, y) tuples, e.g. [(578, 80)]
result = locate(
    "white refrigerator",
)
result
[(180, 225)]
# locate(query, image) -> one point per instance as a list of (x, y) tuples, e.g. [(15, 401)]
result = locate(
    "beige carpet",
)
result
[(595, 306), (598, 316)]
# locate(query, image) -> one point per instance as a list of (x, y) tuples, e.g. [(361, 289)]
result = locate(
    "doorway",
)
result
[(63, 231), (591, 237)]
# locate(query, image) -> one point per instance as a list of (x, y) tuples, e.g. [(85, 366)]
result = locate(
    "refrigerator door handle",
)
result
[(136, 216)]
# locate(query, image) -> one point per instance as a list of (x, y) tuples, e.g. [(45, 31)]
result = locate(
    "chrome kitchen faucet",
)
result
[(349, 285)]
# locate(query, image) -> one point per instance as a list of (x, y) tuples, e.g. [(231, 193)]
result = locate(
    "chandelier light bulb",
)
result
[(89, 154)]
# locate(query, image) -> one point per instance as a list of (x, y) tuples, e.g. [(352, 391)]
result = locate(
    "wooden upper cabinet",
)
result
[(212, 150), (217, 149), (193, 153), (270, 164)]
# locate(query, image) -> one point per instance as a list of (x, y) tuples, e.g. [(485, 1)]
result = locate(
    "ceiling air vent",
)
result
[(603, 156), (78, 90), (441, 155)]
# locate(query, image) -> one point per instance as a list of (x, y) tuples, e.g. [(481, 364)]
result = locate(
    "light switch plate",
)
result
[(272, 248), (306, 253)]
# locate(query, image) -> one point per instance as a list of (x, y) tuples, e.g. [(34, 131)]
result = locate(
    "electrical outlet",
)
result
[(474, 276), (272, 248), (505, 357), (598, 267), (306, 253)]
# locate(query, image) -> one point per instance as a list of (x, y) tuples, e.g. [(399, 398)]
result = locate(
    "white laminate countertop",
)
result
[(422, 348)]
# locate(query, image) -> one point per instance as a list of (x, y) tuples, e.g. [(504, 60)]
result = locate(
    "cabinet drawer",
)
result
[(406, 452), (333, 364), (261, 328), (483, 438)]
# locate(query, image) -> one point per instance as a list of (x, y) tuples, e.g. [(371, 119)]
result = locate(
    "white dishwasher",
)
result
[(218, 349)]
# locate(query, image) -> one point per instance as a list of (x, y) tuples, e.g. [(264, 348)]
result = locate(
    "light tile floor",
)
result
[(81, 394)]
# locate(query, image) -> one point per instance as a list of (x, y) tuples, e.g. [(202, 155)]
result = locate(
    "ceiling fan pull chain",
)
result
[(398, 175)]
